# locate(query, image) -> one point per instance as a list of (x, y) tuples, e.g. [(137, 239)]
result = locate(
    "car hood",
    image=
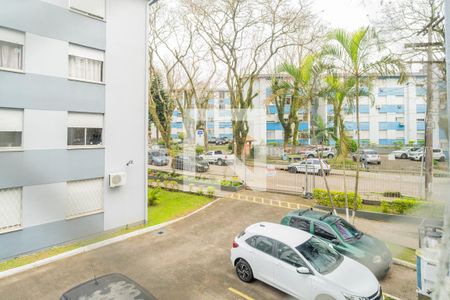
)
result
[(354, 278), (372, 246)]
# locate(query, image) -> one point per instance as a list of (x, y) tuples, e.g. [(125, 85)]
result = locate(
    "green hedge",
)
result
[(322, 198), (400, 206)]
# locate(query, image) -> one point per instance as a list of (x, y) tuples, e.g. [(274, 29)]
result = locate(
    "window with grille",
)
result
[(10, 209), (84, 197)]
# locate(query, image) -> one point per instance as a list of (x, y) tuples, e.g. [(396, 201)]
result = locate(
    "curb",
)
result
[(403, 263), (94, 246), (390, 296)]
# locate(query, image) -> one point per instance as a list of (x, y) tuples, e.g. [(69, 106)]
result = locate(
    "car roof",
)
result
[(282, 233), (315, 215)]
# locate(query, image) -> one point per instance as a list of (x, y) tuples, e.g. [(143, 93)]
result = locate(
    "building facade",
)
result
[(72, 112)]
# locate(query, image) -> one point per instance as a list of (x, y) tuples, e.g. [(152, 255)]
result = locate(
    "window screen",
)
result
[(84, 197), (10, 209), (11, 49)]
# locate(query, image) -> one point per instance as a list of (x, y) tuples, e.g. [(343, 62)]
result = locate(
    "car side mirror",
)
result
[(335, 242), (303, 270)]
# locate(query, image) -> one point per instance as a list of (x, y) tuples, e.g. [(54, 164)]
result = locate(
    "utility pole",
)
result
[(430, 113)]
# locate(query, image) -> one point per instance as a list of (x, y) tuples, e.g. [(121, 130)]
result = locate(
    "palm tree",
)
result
[(305, 89), (356, 55)]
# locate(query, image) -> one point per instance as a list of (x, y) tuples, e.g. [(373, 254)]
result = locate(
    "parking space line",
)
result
[(240, 294), (270, 202)]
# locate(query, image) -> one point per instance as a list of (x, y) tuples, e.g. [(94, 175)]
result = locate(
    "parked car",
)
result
[(111, 286), (369, 156), (403, 153), (212, 140), (162, 149), (222, 141), (300, 264), (309, 152), (416, 154), (344, 237), (438, 154), (190, 163), (157, 158), (311, 165), (218, 157)]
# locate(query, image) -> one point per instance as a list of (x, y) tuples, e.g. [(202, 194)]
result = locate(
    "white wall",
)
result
[(46, 56), (43, 204), (62, 3), (125, 110), (44, 129)]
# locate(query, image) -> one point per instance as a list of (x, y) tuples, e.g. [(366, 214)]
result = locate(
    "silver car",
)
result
[(368, 156)]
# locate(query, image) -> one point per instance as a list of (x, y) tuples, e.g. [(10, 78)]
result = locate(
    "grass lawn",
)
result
[(173, 205), (403, 253)]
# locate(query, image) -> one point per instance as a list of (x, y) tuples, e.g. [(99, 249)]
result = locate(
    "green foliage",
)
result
[(230, 146), (353, 146), (272, 144), (338, 198), (230, 183), (391, 194), (411, 143), (154, 195), (399, 206), (200, 190), (199, 149), (210, 190), (181, 135)]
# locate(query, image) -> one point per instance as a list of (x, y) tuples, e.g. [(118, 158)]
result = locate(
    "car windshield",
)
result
[(370, 152), (347, 231), (321, 256)]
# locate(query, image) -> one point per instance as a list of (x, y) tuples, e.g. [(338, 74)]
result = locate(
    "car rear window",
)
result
[(300, 223)]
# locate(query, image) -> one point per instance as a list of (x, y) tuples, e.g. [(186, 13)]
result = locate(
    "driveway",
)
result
[(189, 260)]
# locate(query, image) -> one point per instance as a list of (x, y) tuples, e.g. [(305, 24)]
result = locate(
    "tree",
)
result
[(356, 55), (244, 35)]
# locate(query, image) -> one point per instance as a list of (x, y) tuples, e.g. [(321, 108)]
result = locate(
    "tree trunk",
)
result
[(295, 134), (429, 122), (358, 152), (287, 135), (345, 191)]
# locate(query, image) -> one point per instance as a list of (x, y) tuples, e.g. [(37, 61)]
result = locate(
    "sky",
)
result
[(346, 14)]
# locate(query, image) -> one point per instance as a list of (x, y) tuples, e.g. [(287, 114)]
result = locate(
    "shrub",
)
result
[(199, 149), (154, 196), (230, 147), (226, 182), (338, 198), (400, 206), (392, 194), (353, 146), (210, 190), (200, 190)]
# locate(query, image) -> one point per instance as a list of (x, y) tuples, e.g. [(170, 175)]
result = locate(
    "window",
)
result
[(347, 231), (11, 126), (84, 197), (84, 129), (323, 232), (11, 49), (270, 134), (288, 255), (221, 103), (321, 256), (10, 209), (261, 243), (94, 8), (300, 224), (86, 63)]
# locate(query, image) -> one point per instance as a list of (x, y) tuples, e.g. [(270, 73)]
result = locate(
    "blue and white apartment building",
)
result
[(73, 108), (395, 113)]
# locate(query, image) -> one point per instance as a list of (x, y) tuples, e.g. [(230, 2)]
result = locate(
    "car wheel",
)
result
[(404, 156), (310, 156), (292, 170), (320, 173), (220, 162), (379, 163), (354, 158), (442, 159), (244, 271), (330, 156)]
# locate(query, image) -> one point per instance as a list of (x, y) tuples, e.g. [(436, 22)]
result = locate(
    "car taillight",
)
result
[(235, 245)]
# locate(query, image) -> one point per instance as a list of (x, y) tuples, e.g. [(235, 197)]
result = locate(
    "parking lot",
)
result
[(188, 260)]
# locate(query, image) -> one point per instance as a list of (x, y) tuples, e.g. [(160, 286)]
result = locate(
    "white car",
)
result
[(218, 157), (438, 154), (404, 152), (312, 152), (300, 265), (311, 166)]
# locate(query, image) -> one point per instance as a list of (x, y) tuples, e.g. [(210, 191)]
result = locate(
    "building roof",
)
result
[(282, 233)]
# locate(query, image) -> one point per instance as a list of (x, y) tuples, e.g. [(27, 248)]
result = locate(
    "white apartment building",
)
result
[(72, 113)]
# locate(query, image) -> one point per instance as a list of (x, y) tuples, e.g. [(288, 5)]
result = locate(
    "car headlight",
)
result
[(353, 297), (377, 259)]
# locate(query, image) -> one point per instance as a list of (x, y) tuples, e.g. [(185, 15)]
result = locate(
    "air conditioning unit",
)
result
[(117, 179)]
